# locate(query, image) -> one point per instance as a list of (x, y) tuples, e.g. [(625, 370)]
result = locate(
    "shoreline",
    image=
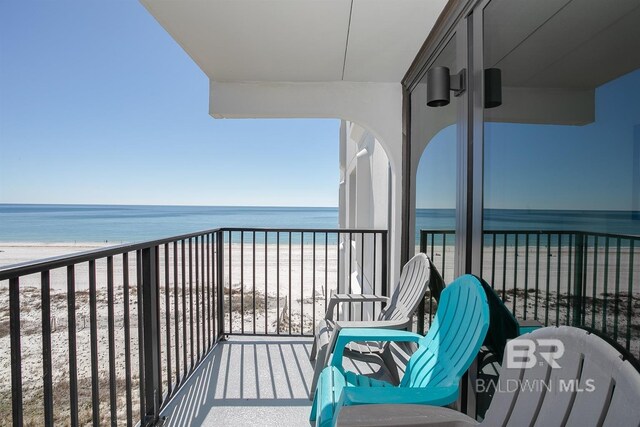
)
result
[(56, 244), (12, 253)]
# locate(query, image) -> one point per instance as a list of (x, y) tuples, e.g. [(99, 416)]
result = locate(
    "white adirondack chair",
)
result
[(594, 384), (417, 274)]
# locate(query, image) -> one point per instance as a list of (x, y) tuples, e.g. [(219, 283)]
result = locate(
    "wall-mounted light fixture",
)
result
[(492, 87), (440, 82)]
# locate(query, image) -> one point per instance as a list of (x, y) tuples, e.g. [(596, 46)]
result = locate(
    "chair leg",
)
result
[(317, 369), (314, 410), (314, 349)]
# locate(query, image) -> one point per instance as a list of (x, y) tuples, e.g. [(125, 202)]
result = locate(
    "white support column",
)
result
[(342, 196)]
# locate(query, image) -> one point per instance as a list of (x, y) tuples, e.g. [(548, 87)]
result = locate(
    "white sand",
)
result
[(601, 309), (19, 252), (294, 297), (492, 270), (302, 298)]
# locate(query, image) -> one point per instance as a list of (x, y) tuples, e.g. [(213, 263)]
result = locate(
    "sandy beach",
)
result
[(525, 288), (281, 294), (287, 308)]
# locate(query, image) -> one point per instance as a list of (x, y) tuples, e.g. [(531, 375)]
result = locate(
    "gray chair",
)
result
[(417, 274), (595, 383)]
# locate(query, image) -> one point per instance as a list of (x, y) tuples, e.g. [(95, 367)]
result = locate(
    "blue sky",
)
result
[(98, 104), (550, 166)]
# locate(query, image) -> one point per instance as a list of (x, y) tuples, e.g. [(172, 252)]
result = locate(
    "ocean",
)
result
[(121, 224), (124, 224), (614, 222)]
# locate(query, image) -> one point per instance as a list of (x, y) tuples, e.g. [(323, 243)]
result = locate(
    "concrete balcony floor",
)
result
[(247, 381)]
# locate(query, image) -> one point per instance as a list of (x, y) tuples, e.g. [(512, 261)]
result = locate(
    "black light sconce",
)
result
[(440, 82), (492, 87)]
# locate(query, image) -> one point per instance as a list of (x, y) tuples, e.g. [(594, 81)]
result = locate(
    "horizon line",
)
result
[(161, 205), (544, 209), (298, 206)]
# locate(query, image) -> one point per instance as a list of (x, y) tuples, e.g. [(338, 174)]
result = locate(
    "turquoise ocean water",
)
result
[(117, 224), (615, 222), (111, 223)]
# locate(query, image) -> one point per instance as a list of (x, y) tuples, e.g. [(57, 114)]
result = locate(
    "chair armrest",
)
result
[(437, 396), (360, 298), (347, 335), (371, 324), (529, 325)]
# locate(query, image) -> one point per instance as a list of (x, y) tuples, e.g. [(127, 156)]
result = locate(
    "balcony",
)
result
[(215, 328), (212, 327)]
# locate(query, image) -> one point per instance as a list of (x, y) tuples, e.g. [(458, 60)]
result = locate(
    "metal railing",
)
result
[(155, 310), (301, 268), (556, 277)]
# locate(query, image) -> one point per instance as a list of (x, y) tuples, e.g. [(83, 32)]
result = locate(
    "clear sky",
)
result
[(98, 104), (590, 167)]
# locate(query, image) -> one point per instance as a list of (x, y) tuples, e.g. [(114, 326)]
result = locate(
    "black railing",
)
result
[(155, 310), (278, 281), (556, 277)]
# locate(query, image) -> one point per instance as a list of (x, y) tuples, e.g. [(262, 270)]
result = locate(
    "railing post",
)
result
[(578, 263), (151, 343), (16, 351), (220, 284), (385, 262), (47, 375)]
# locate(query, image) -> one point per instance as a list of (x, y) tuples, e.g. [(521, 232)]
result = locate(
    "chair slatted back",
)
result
[(593, 384), (410, 289), (454, 338)]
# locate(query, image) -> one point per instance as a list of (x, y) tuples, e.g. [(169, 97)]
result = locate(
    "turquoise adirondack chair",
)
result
[(433, 372)]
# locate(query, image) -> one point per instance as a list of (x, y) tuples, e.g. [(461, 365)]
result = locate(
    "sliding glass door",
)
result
[(435, 145), (530, 178), (562, 160)]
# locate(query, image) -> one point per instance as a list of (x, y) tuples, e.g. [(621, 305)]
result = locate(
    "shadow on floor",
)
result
[(262, 381)]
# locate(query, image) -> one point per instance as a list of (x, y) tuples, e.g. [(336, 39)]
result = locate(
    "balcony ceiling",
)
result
[(580, 44), (299, 40)]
